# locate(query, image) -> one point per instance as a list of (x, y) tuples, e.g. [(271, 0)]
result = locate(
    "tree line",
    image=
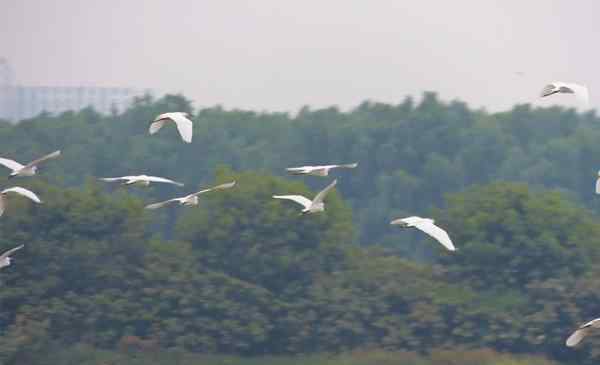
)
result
[(243, 274)]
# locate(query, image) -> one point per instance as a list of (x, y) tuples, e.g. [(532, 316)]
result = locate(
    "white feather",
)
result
[(428, 226), (305, 202), (11, 164), (185, 127), (22, 191)]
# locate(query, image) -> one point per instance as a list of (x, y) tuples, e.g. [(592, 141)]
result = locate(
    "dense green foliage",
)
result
[(132, 355), (244, 274), (410, 155)]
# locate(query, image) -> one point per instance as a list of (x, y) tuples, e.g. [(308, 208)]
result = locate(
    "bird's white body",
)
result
[(582, 331), (184, 125), (598, 184), (428, 226), (318, 170), (310, 206), (18, 190), (142, 180), (4, 262), (556, 87), (191, 199), (26, 170), (5, 257)]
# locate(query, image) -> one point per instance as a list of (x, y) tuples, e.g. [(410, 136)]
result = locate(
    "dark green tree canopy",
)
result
[(509, 236), (245, 274)]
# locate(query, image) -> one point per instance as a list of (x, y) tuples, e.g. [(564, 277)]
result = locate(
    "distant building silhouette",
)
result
[(19, 102)]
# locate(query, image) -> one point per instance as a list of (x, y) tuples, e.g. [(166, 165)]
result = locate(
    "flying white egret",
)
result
[(582, 331), (21, 191), (26, 170), (318, 170), (191, 199), (580, 91), (426, 225), (143, 180), (181, 120), (314, 206), (5, 257)]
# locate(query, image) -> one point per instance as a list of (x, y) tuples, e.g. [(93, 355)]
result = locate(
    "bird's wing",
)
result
[(54, 154), (399, 221), (577, 336), (549, 90), (11, 164), (156, 125), (305, 202), (319, 198), (115, 178), (299, 169), (327, 167), (413, 219), (161, 204), (598, 186), (162, 180), (407, 221), (22, 191), (595, 323), (184, 126), (218, 187), (163, 116), (10, 252), (436, 232), (320, 167)]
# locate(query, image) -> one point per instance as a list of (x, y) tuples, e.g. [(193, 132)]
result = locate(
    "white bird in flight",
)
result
[(426, 225), (26, 170), (314, 206), (181, 120), (143, 180), (191, 199), (21, 191), (5, 257), (582, 331), (318, 170), (580, 91)]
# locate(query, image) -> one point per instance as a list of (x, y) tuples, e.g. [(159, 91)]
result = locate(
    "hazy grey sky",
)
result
[(280, 55)]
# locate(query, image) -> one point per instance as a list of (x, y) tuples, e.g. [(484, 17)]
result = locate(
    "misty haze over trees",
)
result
[(244, 275)]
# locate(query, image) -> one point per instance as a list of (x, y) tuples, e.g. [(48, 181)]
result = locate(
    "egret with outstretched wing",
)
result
[(184, 125), (144, 180), (26, 170), (322, 170), (556, 87), (582, 331), (428, 226), (191, 199), (310, 206), (18, 190), (5, 257)]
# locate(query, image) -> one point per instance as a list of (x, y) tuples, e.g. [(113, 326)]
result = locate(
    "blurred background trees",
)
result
[(243, 274)]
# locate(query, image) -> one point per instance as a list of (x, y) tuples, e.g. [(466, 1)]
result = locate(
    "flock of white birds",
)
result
[(184, 126)]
